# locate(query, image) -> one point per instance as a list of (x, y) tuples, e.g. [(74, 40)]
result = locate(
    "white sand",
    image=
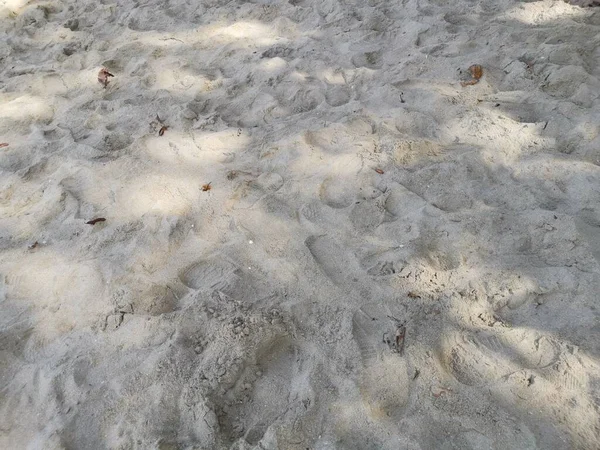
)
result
[(254, 315)]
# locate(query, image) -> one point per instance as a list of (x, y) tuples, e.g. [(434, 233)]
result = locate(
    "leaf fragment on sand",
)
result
[(103, 77), (95, 221), (476, 72)]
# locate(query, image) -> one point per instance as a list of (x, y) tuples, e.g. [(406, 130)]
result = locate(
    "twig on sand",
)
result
[(171, 39)]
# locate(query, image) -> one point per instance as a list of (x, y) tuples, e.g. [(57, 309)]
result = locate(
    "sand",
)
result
[(334, 245)]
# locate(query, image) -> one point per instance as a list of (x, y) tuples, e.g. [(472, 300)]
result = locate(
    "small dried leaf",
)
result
[(476, 71), (103, 77), (34, 245), (3, 144), (379, 171), (162, 130), (95, 221), (206, 187)]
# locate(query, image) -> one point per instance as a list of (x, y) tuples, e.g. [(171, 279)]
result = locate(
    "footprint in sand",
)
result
[(480, 359), (335, 193), (338, 95), (311, 212), (522, 364), (370, 60), (384, 385), (305, 100), (368, 214), (333, 260), (403, 203), (213, 274), (249, 194), (590, 233), (270, 393)]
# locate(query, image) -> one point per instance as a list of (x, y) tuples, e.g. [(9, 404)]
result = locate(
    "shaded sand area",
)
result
[(334, 244)]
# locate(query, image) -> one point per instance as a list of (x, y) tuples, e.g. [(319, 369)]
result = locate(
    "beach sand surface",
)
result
[(339, 240)]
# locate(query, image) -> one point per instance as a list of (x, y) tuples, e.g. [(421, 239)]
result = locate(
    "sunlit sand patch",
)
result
[(273, 65), (22, 111), (213, 35), (538, 13), (195, 149), (254, 32), (14, 6), (157, 194), (332, 76), (64, 294), (178, 79)]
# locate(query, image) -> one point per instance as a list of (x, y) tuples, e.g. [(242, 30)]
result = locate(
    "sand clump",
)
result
[(327, 225)]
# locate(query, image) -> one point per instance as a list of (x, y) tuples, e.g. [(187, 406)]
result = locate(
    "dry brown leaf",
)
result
[(162, 130), (206, 187), (95, 221), (476, 72), (379, 171), (3, 144), (103, 77)]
